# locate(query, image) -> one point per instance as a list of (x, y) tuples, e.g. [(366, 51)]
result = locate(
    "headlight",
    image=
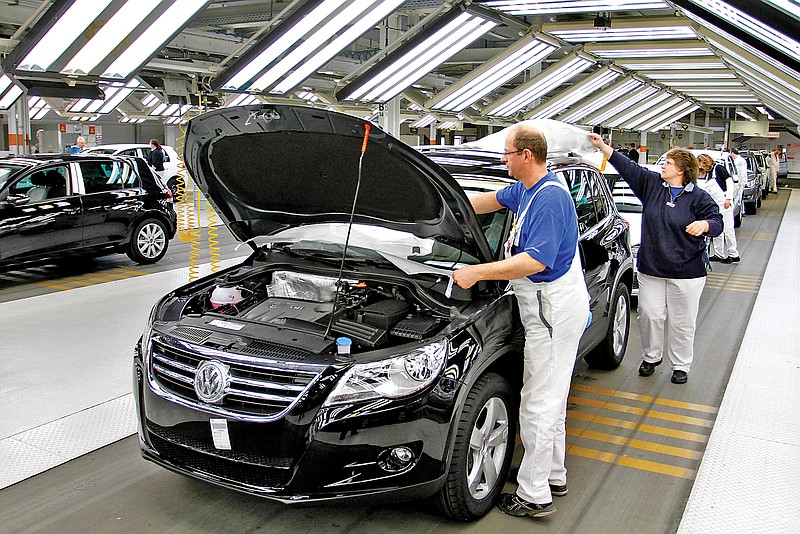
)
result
[(393, 378)]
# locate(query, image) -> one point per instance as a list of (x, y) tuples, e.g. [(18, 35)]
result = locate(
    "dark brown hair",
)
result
[(526, 136), (155, 142), (685, 161)]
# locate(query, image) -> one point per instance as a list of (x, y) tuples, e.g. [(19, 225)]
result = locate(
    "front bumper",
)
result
[(313, 454), (750, 194)]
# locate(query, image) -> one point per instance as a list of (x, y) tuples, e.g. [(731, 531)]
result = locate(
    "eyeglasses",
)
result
[(513, 152)]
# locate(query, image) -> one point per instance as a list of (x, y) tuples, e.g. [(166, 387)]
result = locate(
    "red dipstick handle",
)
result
[(367, 128)]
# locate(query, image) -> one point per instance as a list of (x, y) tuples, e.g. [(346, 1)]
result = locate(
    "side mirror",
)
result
[(17, 200)]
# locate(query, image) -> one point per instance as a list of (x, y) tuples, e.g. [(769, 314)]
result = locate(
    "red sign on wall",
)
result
[(91, 130), (62, 128)]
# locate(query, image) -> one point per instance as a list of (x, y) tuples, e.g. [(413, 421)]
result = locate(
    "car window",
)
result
[(42, 184), (583, 193), (103, 176), (128, 152), (492, 223), (6, 171)]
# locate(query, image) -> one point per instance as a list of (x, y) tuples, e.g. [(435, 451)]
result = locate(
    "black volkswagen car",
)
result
[(57, 205), (339, 361)]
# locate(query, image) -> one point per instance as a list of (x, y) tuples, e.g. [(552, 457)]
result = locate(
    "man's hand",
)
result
[(697, 228), (467, 276)]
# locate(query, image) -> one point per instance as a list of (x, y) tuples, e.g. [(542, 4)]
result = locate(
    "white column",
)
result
[(19, 126)]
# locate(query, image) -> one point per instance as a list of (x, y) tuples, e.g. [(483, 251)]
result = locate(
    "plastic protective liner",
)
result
[(302, 286)]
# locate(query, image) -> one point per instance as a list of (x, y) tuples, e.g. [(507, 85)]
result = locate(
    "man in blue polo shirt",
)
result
[(544, 267)]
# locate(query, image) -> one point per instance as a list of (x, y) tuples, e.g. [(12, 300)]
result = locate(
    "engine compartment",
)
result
[(289, 307)]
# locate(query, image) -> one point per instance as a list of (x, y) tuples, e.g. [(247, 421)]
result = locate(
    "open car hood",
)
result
[(268, 168)]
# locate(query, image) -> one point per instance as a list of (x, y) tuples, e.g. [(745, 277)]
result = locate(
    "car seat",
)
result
[(56, 184), (40, 188)]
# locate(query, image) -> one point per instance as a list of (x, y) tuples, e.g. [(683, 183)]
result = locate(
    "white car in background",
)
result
[(630, 207), (171, 159)]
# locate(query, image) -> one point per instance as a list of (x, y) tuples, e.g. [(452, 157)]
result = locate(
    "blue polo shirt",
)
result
[(549, 232)]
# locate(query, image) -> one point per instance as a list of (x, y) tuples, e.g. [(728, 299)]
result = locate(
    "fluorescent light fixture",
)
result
[(107, 39), (417, 57), (764, 111), (743, 113), (114, 93), (243, 99), (9, 92), (717, 84), (640, 29), (688, 75), (671, 64), (613, 93), (540, 7), (427, 120), (158, 110), (757, 28), (517, 58), (538, 86), (448, 125), (639, 109), (150, 100), (37, 108), (308, 96), (658, 111), (649, 49), (565, 99), (660, 122), (297, 47), (604, 115)]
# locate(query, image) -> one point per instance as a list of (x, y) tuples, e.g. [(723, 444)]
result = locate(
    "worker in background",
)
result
[(633, 154)]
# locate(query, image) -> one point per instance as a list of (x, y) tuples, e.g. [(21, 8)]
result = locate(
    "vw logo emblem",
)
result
[(211, 381)]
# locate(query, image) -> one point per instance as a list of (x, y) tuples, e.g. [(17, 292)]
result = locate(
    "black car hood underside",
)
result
[(267, 168)]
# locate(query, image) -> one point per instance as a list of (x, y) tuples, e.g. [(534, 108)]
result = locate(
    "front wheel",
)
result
[(609, 353), (148, 242), (737, 219), (483, 450)]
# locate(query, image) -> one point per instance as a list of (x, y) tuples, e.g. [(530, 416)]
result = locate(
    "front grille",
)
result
[(200, 445), (265, 390), (223, 468)]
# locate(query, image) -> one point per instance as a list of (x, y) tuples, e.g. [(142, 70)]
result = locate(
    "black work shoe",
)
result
[(679, 377), (733, 259), (647, 368), (558, 490), (716, 258), (512, 504)]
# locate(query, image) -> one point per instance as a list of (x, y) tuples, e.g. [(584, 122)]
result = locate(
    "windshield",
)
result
[(624, 198), (6, 171)]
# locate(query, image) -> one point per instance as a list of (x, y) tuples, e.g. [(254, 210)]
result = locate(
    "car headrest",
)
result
[(39, 179), (53, 178)]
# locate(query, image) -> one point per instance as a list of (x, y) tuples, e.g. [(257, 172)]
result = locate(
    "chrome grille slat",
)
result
[(257, 389)]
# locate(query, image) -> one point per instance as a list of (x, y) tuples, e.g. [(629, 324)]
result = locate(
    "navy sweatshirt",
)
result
[(667, 250)]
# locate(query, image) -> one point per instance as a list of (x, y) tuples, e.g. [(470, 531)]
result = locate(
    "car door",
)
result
[(111, 200), (596, 233), (40, 215)]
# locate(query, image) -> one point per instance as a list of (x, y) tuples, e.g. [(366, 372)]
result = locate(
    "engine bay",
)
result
[(311, 311)]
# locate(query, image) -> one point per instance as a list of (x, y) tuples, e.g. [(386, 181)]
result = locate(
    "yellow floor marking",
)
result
[(93, 278), (655, 414), (80, 283), (645, 398), (53, 286), (636, 463), (665, 449), (137, 273), (630, 425), (672, 433), (724, 288), (119, 275), (596, 436), (731, 275), (608, 421)]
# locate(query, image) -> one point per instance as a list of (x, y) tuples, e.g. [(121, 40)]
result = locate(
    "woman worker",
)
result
[(676, 218), (715, 180)]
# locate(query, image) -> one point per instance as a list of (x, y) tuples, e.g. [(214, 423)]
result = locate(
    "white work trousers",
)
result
[(725, 243), (669, 304), (554, 315)]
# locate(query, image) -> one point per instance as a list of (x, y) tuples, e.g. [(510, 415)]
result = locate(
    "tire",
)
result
[(483, 450), (750, 209), (172, 183), (148, 242), (737, 219), (609, 353), (758, 200)]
